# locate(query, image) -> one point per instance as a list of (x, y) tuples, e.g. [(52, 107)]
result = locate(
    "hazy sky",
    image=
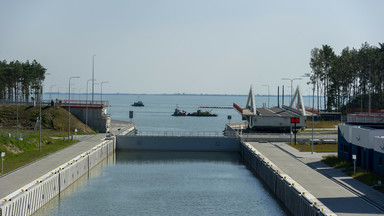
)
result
[(179, 46)]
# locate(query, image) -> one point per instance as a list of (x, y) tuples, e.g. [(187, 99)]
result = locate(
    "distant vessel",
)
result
[(200, 113), (178, 112), (138, 104)]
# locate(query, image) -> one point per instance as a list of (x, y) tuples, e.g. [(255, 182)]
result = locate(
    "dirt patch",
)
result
[(14, 149)]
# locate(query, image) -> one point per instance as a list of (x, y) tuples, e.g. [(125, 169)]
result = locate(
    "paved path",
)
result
[(22, 176), (340, 193), (18, 178)]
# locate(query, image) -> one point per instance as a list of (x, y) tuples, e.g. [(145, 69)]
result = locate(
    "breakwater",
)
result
[(29, 198), (294, 197)]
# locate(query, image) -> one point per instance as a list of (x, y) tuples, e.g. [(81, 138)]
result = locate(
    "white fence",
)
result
[(29, 198)]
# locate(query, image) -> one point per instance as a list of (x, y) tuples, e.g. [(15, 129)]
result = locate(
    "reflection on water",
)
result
[(167, 183)]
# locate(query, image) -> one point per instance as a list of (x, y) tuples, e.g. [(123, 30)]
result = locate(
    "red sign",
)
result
[(295, 120)]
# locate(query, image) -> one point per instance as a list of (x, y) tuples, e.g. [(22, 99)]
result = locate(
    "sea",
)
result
[(156, 115)]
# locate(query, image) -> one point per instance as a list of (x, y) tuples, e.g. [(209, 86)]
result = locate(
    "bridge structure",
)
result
[(276, 118)]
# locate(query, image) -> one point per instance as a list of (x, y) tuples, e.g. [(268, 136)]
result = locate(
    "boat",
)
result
[(200, 113), (138, 104), (178, 112)]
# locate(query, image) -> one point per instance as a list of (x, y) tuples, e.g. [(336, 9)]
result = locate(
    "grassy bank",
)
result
[(321, 124), (307, 147), (21, 152), (54, 124)]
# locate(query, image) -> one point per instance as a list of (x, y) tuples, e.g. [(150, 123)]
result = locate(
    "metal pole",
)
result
[(268, 93), (17, 109), (93, 76), (50, 89), (86, 104), (313, 108), (369, 91), (101, 91), (69, 107), (290, 101), (40, 116)]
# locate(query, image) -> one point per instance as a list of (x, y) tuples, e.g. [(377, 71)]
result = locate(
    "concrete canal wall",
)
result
[(295, 198), (29, 198), (170, 143)]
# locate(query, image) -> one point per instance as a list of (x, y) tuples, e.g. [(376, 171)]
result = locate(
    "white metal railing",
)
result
[(186, 133)]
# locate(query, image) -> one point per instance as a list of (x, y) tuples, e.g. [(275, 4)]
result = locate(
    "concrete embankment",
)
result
[(32, 196), (295, 198)]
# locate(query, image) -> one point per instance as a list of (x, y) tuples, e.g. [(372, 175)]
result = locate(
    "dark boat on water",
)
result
[(138, 104), (200, 113)]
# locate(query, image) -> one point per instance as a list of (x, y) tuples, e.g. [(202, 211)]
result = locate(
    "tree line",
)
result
[(354, 79), (20, 80)]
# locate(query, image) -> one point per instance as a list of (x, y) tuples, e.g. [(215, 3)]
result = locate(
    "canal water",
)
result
[(166, 183)]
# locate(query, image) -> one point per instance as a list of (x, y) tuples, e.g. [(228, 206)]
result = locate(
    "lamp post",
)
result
[(268, 93), (80, 93), (86, 103), (69, 106), (313, 107), (101, 91), (93, 77), (17, 110), (50, 90), (58, 92), (291, 84), (40, 98)]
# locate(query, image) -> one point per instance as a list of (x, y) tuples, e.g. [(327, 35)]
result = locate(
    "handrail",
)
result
[(186, 133)]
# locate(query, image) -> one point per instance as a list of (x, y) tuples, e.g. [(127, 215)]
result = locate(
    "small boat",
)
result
[(138, 104), (200, 113), (178, 112)]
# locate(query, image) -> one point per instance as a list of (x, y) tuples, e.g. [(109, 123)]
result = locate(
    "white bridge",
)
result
[(276, 118)]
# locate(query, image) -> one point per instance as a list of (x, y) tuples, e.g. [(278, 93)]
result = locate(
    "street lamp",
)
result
[(101, 91), (58, 92), (80, 93), (268, 93), (50, 90), (86, 103), (69, 106), (93, 76), (40, 98), (291, 84)]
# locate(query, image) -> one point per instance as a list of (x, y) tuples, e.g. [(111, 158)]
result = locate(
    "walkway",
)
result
[(340, 193), (22, 176), (18, 178)]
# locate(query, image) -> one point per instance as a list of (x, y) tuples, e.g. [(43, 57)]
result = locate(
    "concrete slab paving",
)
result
[(323, 181)]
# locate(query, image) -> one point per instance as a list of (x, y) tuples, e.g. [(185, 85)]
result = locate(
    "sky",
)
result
[(180, 46)]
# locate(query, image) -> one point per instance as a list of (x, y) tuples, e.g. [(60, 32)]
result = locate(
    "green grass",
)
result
[(21, 152), (367, 177), (322, 124), (316, 147)]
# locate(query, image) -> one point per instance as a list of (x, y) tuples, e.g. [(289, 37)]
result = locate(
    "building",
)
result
[(363, 138)]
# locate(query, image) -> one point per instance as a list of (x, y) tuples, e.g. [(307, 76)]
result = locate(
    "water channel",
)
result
[(166, 183)]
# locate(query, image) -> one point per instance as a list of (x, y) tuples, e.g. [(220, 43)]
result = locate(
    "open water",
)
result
[(156, 115), (167, 183)]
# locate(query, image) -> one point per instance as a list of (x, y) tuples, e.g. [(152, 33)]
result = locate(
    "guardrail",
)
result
[(187, 133)]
